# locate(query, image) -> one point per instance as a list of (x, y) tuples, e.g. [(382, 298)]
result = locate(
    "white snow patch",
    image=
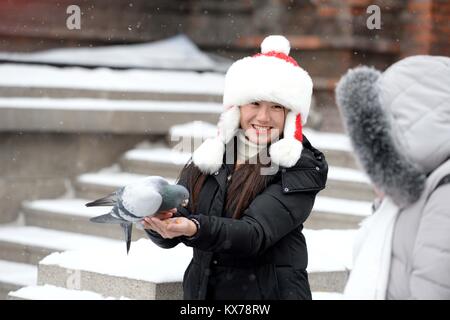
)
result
[(329, 250), (164, 155), (318, 295), (343, 206), (49, 292), (57, 240), (195, 129), (18, 273), (74, 207)]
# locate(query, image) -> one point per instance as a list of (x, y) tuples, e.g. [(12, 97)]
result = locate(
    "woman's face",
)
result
[(262, 121)]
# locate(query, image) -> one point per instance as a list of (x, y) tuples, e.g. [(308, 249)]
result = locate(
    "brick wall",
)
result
[(440, 42), (426, 28)]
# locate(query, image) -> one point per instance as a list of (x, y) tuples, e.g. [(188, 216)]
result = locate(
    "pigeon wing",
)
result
[(141, 201), (106, 218)]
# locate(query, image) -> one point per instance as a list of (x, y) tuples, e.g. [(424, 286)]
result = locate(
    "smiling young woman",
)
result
[(244, 225)]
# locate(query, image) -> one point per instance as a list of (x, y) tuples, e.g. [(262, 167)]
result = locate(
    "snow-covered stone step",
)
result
[(101, 115), (98, 82), (49, 292), (15, 275), (342, 182), (73, 216), (333, 213), (99, 184), (336, 146), (28, 244), (150, 272), (348, 183), (154, 161)]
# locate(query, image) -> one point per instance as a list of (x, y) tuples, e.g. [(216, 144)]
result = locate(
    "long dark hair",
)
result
[(246, 183)]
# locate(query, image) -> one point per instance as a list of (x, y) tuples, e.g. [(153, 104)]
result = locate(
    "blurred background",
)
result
[(97, 94)]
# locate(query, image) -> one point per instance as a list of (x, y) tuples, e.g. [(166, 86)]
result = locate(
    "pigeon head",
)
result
[(174, 196)]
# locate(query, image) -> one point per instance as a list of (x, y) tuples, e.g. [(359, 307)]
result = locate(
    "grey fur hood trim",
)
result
[(370, 129)]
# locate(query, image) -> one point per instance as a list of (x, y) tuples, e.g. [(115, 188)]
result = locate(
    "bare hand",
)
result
[(161, 215), (171, 227)]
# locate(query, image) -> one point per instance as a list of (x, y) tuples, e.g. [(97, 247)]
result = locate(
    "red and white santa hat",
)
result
[(271, 75)]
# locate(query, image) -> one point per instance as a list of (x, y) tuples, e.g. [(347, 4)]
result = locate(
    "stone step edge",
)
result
[(326, 281), (41, 292)]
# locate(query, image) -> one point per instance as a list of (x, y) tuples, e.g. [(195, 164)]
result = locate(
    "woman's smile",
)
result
[(261, 129)]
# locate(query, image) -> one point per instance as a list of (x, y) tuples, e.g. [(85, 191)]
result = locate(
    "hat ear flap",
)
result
[(287, 151), (209, 156)]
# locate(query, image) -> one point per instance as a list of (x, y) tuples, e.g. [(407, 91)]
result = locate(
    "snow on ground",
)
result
[(343, 206), (47, 238), (329, 250), (18, 273), (110, 105), (18, 75), (49, 292)]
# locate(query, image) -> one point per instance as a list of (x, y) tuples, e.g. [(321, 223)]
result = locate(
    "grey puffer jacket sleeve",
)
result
[(430, 277)]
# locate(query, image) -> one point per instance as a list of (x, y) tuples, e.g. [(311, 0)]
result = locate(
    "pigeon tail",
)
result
[(127, 230), (109, 200)]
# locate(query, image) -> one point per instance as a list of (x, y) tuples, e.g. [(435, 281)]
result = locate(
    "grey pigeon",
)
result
[(135, 201)]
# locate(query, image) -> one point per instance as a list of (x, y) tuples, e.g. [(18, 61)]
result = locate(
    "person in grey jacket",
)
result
[(399, 125)]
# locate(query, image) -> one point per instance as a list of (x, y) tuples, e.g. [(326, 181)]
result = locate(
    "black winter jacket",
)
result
[(263, 254)]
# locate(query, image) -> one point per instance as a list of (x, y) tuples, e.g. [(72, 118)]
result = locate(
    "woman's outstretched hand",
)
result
[(169, 227)]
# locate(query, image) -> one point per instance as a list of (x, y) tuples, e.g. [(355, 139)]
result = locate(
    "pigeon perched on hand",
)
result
[(135, 201)]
